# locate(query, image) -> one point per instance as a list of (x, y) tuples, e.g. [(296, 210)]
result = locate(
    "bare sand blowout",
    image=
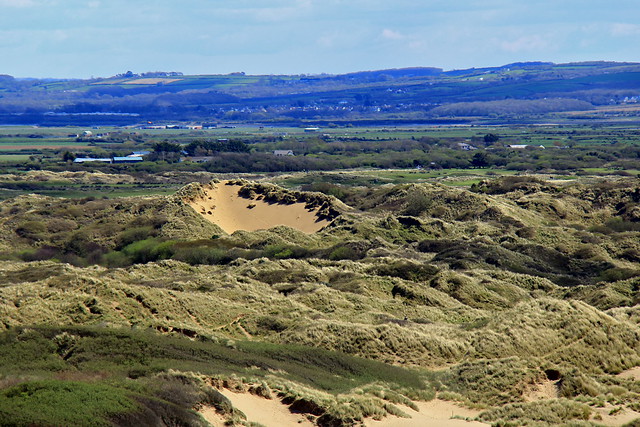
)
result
[(224, 207), (273, 413)]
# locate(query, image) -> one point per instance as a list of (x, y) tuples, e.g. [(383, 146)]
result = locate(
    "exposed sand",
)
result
[(273, 413), (633, 373), (623, 417), (542, 391), (209, 413), (436, 413), (225, 208), (267, 412)]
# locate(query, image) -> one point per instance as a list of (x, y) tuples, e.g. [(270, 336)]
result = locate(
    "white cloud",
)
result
[(294, 10), (624, 29), (392, 35), (529, 43), (17, 3)]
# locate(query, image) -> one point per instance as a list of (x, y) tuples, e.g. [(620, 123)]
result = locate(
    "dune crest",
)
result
[(221, 204)]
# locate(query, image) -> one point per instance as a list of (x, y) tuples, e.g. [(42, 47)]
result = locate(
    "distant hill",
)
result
[(409, 94)]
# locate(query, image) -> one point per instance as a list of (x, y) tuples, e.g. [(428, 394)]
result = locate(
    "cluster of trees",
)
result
[(209, 148), (236, 156), (172, 152)]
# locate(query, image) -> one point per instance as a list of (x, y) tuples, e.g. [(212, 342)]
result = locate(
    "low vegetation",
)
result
[(412, 291)]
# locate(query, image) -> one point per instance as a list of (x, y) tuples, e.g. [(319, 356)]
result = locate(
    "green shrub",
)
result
[(285, 251), (343, 252), (417, 203), (133, 235), (616, 273), (148, 250), (53, 402), (41, 254), (32, 230), (116, 259), (83, 245), (621, 225), (407, 270), (202, 255)]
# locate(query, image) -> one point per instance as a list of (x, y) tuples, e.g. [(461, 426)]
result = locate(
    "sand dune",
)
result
[(435, 413), (618, 417), (209, 413), (266, 412), (273, 413), (542, 391), (633, 373), (222, 206)]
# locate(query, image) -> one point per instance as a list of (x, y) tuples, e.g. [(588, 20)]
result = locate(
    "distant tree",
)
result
[(166, 147), (491, 138), (166, 151), (237, 146), (479, 160), (68, 156)]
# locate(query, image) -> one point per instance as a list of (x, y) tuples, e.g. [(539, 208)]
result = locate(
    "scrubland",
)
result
[(483, 296)]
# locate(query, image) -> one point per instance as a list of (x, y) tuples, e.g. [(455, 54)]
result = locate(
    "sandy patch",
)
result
[(435, 413), (209, 413), (268, 412), (222, 206), (633, 373), (617, 419), (542, 391)]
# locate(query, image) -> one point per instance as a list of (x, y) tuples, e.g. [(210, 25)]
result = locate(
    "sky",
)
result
[(101, 38)]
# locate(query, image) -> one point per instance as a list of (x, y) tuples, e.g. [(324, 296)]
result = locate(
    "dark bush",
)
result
[(32, 230), (41, 254), (271, 324), (407, 270), (285, 251), (343, 252), (202, 255), (417, 203), (615, 274), (133, 235)]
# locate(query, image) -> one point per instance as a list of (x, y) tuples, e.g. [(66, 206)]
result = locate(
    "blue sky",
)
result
[(84, 38)]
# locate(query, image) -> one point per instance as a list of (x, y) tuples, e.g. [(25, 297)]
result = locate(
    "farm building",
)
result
[(281, 153), (197, 159), (523, 146), (91, 159), (139, 153), (132, 159), (466, 147)]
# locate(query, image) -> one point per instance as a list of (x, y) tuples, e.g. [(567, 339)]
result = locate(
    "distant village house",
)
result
[(281, 153), (523, 146), (466, 147)]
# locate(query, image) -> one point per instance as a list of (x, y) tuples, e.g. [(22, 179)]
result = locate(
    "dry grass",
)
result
[(499, 287)]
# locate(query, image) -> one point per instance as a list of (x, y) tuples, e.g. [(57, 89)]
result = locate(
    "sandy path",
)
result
[(225, 208), (268, 412), (633, 373), (621, 418), (273, 413), (209, 413), (542, 391), (435, 413)]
